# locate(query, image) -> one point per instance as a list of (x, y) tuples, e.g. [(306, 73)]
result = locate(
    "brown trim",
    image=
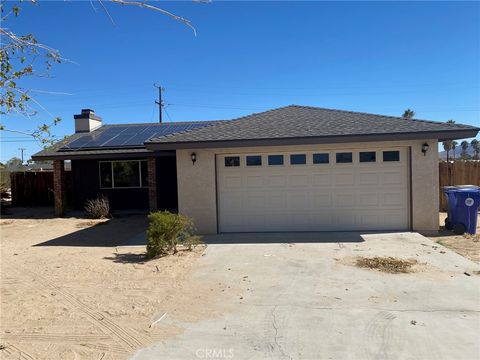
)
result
[(440, 135), (216, 194), (410, 187)]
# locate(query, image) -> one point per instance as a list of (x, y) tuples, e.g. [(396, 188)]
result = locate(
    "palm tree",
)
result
[(464, 154), (408, 114), (476, 148), (454, 146), (447, 146)]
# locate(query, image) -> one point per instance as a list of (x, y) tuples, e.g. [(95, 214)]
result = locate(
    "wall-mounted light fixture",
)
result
[(425, 148), (193, 156)]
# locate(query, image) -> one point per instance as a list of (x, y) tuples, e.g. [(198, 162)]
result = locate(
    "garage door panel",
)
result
[(368, 178), (276, 180), (393, 199), (345, 178), (298, 180), (233, 182), (275, 201), (255, 181), (392, 178), (368, 199), (314, 197), (344, 200), (321, 200), (322, 179)]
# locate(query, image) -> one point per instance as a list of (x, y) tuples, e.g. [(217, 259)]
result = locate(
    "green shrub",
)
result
[(166, 231), (98, 208)]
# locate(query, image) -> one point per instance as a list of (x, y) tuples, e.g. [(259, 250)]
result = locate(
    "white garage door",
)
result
[(313, 191)]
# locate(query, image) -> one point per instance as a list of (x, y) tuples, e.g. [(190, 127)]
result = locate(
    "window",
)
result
[(232, 161), (106, 180), (254, 160), (321, 158), (343, 158), (298, 159), (123, 174), (275, 159), (391, 156), (367, 156)]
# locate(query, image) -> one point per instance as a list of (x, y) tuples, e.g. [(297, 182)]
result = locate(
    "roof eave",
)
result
[(69, 155), (440, 135)]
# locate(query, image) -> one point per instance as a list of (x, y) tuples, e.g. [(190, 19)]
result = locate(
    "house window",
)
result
[(321, 158), (123, 174), (298, 159), (367, 156), (391, 156), (343, 158), (254, 160), (232, 161), (275, 159)]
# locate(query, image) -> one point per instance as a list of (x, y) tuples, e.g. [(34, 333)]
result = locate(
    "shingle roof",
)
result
[(301, 123), (307, 122)]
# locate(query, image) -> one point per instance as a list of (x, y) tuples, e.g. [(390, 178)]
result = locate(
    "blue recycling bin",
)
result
[(464, 210)]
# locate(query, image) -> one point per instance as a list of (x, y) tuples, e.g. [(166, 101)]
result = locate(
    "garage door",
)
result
[(313, 191)]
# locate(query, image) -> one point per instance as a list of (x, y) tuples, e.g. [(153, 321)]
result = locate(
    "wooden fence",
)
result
[(35, 188), (457, 173)]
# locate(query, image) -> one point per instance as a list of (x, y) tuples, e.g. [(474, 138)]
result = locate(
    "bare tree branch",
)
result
[(107, 12), (155, 8)]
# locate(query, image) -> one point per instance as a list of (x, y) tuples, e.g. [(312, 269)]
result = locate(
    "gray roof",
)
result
[(305, 122), (283, 126)]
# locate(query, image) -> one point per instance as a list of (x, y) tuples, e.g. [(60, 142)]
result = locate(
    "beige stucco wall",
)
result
[(197, 187)]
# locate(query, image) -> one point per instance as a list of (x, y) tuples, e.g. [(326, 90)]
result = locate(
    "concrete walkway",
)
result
[(300, 297)]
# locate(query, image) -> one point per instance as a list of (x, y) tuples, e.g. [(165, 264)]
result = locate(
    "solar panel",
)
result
[(133, 135)]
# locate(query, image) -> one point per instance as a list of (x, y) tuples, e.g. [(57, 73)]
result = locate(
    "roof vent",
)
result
[(87, 121)]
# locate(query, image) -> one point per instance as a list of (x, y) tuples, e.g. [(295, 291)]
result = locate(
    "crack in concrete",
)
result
[(372, 308), (275, 337)]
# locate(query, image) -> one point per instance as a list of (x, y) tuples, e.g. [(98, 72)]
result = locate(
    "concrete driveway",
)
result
[(300, 297)]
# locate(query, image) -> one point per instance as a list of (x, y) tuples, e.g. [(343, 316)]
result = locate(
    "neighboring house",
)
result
[(295, 168)]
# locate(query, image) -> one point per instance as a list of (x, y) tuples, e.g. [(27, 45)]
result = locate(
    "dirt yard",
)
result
[(69, 292), (465, 245)]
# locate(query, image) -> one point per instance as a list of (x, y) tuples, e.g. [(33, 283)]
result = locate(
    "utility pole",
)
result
[(160, 101), (22, 150)]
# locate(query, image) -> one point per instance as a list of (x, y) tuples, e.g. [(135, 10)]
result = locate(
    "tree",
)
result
[(454, 146), (476, 148), (14, 164), (447, 144), (464, 153), (408, 114), (22, 56)]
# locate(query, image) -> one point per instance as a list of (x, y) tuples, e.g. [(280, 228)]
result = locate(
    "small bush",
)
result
[(98, 208), (166, 231)]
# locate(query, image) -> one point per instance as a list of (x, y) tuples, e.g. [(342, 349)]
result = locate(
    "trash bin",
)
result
[(451, 203), (465, 209)]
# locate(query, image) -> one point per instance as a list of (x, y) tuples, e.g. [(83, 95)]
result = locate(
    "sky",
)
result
[(377, 57)]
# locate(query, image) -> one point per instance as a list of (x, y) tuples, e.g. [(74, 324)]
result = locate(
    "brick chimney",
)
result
[(87, 121)]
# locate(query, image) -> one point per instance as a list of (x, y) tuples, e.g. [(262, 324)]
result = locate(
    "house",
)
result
[(294, 168)]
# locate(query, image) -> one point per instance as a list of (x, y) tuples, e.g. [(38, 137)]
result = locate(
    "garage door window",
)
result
[(254, 160), (298, 159), (232, 161), (391, 156), (321, 158), (367, 156), (343, 158), (275, 159)]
